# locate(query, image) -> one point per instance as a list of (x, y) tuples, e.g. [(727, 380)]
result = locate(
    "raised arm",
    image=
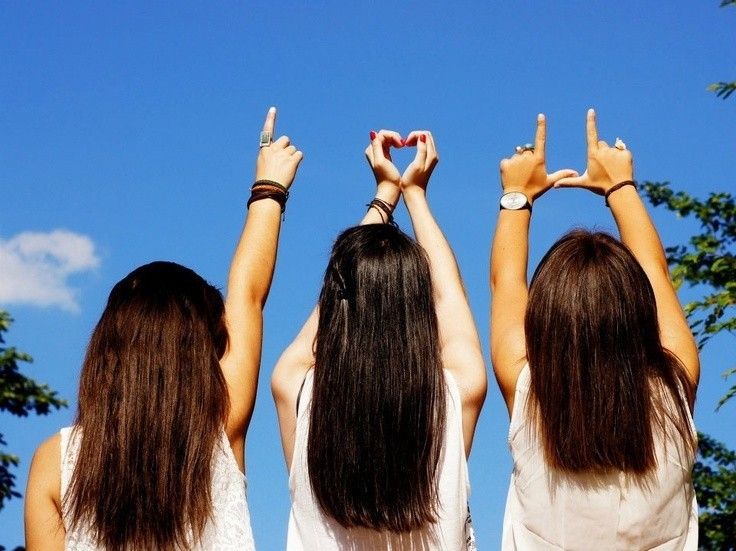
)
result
[(459, 343), (249, 281), (524, 178), (608, 167), (291, 368)]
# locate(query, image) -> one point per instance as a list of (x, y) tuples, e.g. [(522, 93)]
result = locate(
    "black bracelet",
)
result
[(382, 206), (619, 186)]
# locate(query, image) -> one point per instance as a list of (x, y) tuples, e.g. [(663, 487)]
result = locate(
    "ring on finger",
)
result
[(620, 145), (522, 148), (265, 139)]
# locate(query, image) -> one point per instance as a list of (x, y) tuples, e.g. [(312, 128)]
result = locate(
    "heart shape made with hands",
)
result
[(378, 154)]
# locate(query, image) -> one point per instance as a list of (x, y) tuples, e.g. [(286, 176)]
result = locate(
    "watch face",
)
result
[(513, 200)]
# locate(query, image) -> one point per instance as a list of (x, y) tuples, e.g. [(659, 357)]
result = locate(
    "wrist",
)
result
[(413, 190), (621, 192)]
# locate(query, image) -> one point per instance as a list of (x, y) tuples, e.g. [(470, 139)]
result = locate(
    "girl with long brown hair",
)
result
[(156, 457), (379, 395), (597, 366)]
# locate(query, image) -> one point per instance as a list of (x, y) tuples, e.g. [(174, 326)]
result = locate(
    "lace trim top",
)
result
[(228, 529)]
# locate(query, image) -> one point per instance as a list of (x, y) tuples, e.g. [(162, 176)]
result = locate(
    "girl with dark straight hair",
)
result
[(597, 366), (156, 457), (379, 395)]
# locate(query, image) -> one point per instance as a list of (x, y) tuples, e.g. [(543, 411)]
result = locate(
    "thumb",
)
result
[(560, 174), (573, 181)]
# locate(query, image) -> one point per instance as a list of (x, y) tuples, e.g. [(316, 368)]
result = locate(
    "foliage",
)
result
[(19, 395), (714, 475), (708, 260), (723, 89)]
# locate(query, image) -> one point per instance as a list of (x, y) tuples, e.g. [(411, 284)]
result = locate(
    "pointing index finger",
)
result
[(541, 137), (592, 131), (270, 124)]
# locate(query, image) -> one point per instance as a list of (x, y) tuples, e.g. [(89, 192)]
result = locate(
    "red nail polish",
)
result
[(373, 135), (423, 137)]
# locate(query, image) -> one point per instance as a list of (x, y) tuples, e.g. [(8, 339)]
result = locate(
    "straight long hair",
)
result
[(377, 418), (152, 402), (601, 382)]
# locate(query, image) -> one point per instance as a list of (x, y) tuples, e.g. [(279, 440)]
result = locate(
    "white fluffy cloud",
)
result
[(35, 267)]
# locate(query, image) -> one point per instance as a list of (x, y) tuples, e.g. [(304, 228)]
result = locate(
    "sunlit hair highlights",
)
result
[(152, 403), (602, 384), (377, 416)]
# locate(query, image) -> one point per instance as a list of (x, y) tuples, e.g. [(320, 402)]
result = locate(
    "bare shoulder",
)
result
[(46, 467), (43, 523)]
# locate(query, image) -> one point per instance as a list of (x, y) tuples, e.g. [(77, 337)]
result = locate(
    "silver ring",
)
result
[(265, 139), (526, 147), (620, 145)]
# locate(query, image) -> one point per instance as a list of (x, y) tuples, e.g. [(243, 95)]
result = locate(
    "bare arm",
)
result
[(525, 172), (43, 523), (249, 281), (459, 343), (298, 358), (608, 166)]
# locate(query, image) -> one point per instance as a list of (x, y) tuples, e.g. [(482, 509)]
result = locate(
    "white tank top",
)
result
[(229, 527), (310, 529), (549, 510)]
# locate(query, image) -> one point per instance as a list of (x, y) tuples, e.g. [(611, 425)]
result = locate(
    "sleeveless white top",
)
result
[(549, 510), (311, 529), (229, 527)]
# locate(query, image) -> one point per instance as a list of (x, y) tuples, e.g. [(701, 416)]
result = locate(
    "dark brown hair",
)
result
[(152, 403), (377, 418), (601, 382)]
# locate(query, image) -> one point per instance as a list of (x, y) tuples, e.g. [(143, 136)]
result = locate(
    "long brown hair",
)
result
[(377, 420), (601, 382), (152, 402)]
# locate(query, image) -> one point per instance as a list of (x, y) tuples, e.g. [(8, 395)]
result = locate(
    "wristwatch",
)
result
[(515, 200)]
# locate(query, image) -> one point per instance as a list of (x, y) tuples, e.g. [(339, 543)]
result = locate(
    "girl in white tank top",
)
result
[(597, 366), (156, 457), (379, 394)]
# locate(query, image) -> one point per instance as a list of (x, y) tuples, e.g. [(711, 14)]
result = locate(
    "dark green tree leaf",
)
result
[(19, 395)]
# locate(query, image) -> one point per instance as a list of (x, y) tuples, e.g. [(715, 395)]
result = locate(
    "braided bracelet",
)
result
[(267, 192), (270, 183), (619, 186)]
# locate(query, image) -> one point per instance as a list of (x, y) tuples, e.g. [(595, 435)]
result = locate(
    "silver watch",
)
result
[(515, 200)]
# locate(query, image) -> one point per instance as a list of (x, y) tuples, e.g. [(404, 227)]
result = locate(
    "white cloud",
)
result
[(35, 267)]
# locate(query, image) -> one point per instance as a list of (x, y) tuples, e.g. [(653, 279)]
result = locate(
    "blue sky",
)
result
[(133, 127)]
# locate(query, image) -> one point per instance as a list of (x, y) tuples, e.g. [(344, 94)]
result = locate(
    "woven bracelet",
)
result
[(266, 192)]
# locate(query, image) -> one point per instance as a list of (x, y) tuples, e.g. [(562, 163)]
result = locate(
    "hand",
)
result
[(278, 161), (378, 154), (418, 172), (527, 171), (607, 165)]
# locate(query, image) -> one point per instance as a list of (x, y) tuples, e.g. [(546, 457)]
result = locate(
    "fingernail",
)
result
[(540, 117), (423, 138), (272, 109), (591, 111), (373, 135)]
